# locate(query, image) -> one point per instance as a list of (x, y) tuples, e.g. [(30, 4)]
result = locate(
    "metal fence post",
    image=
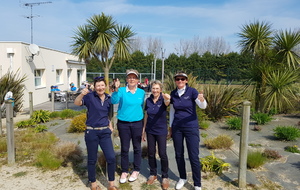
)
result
[(244, 144), (67, 99), (52, 101), (30, 104), (10, 132)]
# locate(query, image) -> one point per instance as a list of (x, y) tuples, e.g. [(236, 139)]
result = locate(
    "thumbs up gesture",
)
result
[(200, 96), (86, 90), (166, 97)]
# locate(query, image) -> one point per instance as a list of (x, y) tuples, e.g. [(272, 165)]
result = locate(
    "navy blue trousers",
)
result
[(192, 139), (161, 141), (93, 138), (130, 131)]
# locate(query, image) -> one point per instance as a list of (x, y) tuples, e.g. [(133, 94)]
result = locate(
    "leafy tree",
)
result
[(256, 39), (102, 40), (273, 58)]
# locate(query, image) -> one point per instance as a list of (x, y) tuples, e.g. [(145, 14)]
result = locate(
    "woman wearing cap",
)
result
[(184, 125), (155, 125), (130, 122), (98, 130)]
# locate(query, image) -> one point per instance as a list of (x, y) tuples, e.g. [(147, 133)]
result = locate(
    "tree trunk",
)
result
[(106, 76)]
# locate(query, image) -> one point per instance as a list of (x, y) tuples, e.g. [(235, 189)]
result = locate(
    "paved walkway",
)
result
[(285, 172)]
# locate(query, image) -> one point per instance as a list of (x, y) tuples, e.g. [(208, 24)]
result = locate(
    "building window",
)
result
[(58, 76), (69, 75), (38, 75)]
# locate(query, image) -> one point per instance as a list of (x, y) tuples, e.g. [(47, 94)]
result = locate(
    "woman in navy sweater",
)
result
[(184, 123), (155, 125), (98, 130)]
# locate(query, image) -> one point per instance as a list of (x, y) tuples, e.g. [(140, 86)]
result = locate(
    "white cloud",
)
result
[(57, 20)]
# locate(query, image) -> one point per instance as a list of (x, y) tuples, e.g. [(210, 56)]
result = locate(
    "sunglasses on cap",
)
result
[(182, 79), (99, 78)]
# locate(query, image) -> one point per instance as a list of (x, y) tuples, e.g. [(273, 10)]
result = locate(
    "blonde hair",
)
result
[(157, 82)]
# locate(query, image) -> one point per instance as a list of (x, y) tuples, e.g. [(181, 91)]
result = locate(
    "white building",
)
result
[(43, 67)]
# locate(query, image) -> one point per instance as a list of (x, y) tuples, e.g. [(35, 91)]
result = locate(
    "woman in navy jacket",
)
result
[(98, 130), (184, 126), (155, 125)]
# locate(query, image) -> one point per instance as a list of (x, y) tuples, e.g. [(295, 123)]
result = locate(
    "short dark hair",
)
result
[(99, 79)]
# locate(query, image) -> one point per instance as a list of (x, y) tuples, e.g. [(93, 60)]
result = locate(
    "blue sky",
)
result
[(169, 20)]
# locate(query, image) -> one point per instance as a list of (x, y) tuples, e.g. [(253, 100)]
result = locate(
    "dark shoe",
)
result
[(151, 179), (165, 183)]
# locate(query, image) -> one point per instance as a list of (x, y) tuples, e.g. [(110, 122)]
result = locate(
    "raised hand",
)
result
[(201, 96), (166, 96), (117, 83), (86, 90)]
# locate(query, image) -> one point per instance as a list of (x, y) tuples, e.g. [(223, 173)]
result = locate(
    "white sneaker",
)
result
[(197, 188), (134, 176), (123, 177), (180, 183)]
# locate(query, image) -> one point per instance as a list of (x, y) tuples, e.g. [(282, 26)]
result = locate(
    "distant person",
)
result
[(146, 81), (130, 122), (58, 93), (72, 87), (52, 89), (156, 130), (98, 130), (184, 126)]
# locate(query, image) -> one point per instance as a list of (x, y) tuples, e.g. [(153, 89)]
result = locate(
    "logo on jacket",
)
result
[(186, 97)]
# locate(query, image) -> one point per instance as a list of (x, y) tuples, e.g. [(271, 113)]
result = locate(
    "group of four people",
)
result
[(134, 126)]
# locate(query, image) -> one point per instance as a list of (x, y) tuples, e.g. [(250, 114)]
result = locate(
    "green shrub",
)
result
[(234, 123), (219, 142), (255, 145), (40, 128), (14, 82), (78, 124), (204, 125), (293, 149), (41, 116), (261, 118), (26, 123), (68, 113), (213, 164), (222, 100), (271, 154), (201, 115), (47, 160), (204, 135), (54, 114), (288, 133), (255, 159)]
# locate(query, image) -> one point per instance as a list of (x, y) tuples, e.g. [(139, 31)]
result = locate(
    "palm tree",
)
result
[(285, 44), (256, 39), (102, 40), (275, 67), (280, 91)]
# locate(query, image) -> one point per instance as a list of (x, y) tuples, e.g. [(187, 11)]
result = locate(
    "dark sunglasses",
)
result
[(178, 79), (99, 78)]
